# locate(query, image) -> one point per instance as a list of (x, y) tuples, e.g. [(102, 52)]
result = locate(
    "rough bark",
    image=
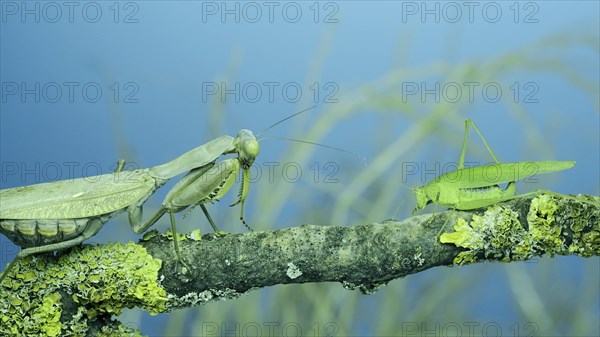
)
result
[(364, 257)]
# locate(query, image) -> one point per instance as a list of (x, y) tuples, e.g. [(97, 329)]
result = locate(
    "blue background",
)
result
[(162, 57)]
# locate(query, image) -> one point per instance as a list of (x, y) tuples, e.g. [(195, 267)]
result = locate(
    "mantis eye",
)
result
[(248, 148), (251, 149)]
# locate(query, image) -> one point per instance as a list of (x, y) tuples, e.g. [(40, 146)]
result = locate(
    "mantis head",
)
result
[(248, 148)]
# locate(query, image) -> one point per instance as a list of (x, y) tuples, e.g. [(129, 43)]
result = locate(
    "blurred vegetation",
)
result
[(526, 298)]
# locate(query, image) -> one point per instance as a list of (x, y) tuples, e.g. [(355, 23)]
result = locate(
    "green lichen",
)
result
[(169, 235), (418, 256), (588, 244), (464, 236), (78, 325), (293, 271), (35, 311), (542, 224), (49, 313), (192, 299), (195, 235), (102, 279), (118, 330), (582, 220), (497, 234), (149, 235), (131, 278)]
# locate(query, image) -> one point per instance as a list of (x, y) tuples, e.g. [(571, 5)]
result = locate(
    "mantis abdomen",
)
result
[(38, 232)]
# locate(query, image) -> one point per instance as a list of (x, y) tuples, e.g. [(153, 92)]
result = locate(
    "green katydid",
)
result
[(57, 215), (476, 187)]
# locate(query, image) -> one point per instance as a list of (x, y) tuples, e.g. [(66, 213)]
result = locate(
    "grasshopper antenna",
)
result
[(285, 119)]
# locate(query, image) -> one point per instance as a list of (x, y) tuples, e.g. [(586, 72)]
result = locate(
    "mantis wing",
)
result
[(76, 198), (489, 175)]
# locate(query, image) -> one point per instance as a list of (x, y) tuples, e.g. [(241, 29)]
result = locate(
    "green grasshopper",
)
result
[(57, 215), (476, 187)]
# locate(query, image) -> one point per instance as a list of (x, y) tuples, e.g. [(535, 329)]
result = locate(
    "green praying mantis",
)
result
[(476, 187), (56, 215)]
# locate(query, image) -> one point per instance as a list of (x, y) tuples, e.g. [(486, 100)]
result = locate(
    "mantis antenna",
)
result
[(305, 141), (285, 119), (322, 145)]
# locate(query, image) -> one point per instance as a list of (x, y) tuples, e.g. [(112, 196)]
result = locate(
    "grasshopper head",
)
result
[(421, 197), (248, 148)]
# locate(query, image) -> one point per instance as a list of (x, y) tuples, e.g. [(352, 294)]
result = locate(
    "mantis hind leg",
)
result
[(120, 165), (92, 228), (175, 241), (135, 220), (210, 220), (8, 268)]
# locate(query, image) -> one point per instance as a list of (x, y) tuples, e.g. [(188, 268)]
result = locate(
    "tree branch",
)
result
[(77, 292)]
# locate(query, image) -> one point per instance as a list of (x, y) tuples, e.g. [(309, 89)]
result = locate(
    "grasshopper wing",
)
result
[(489, 175)]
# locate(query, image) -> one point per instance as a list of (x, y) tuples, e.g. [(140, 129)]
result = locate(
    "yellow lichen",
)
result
[(499, 234), (496, 234), (583, 220), (118, 330), (195, 235), (542, 224), (102, 279), (169, 235), (464, 235), (149, 235), (49, 313)]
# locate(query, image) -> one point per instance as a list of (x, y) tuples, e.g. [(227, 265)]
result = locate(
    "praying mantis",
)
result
[(56, 215), (476, 187)]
